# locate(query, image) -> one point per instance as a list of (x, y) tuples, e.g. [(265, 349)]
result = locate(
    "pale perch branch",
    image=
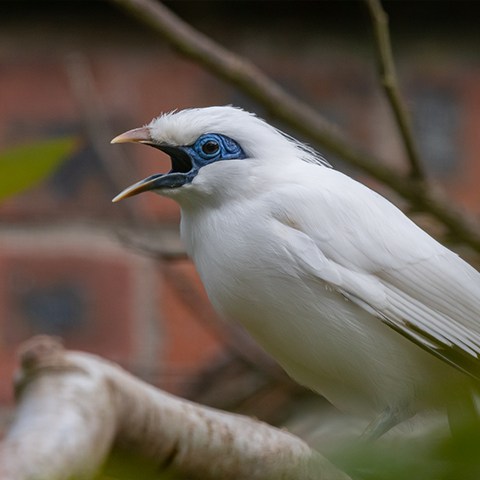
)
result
[(73, 407), (389, 82), (299, 116)]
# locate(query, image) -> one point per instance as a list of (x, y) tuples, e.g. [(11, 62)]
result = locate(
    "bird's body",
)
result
[(349, 295), (270, 267)]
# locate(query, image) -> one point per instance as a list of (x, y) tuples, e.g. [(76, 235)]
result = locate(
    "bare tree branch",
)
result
[(115, 164), (146, 244), (73, 407), (389, 82), (249, 79), (299, 116)]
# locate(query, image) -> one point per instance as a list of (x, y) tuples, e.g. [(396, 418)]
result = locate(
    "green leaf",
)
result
[(23, 166)]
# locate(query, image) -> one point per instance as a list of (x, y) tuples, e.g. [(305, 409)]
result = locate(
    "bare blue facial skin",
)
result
[(188, 160)]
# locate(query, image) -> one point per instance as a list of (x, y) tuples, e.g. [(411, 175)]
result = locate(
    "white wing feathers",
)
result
[(376, 257)]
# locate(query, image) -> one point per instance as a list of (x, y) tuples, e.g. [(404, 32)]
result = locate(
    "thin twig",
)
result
[(299, 116), (389, 83), (115, 165), (253, 82), (151, 247)]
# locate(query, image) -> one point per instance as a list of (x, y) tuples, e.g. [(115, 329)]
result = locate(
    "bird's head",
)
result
[(212, 139)]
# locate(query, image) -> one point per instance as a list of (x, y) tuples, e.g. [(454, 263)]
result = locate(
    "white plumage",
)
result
[(349, 295)]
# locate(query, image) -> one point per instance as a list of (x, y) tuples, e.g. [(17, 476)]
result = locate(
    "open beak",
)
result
[(182, 171)]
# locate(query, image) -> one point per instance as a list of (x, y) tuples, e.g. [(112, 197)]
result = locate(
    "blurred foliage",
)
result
[(23, 166), (435, 456), (125, 464)]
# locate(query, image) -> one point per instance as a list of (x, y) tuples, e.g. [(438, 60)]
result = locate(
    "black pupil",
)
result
[(210, 147)]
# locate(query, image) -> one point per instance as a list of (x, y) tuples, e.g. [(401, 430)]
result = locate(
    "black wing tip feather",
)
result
[(450, 354)]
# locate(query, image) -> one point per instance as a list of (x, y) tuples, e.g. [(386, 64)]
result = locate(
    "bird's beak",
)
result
[(137, 135), (155, 182), (181, 173)]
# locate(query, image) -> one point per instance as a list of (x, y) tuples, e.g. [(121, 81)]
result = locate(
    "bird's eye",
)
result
[(210, 148)]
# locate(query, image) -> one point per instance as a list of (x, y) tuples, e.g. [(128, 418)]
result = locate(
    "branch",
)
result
[(250, 80), (389, 82), (115, 165), (297, 115), (146, 244), (74, 406)]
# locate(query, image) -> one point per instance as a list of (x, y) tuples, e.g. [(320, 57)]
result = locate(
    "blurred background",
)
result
[(112, 278)]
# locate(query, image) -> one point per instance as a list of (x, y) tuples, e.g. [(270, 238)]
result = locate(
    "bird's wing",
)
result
[(364, 247)]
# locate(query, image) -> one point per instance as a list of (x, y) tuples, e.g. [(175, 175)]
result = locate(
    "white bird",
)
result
[(352, 298)]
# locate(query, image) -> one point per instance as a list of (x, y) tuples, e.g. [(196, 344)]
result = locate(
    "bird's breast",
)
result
[(321, 339)]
